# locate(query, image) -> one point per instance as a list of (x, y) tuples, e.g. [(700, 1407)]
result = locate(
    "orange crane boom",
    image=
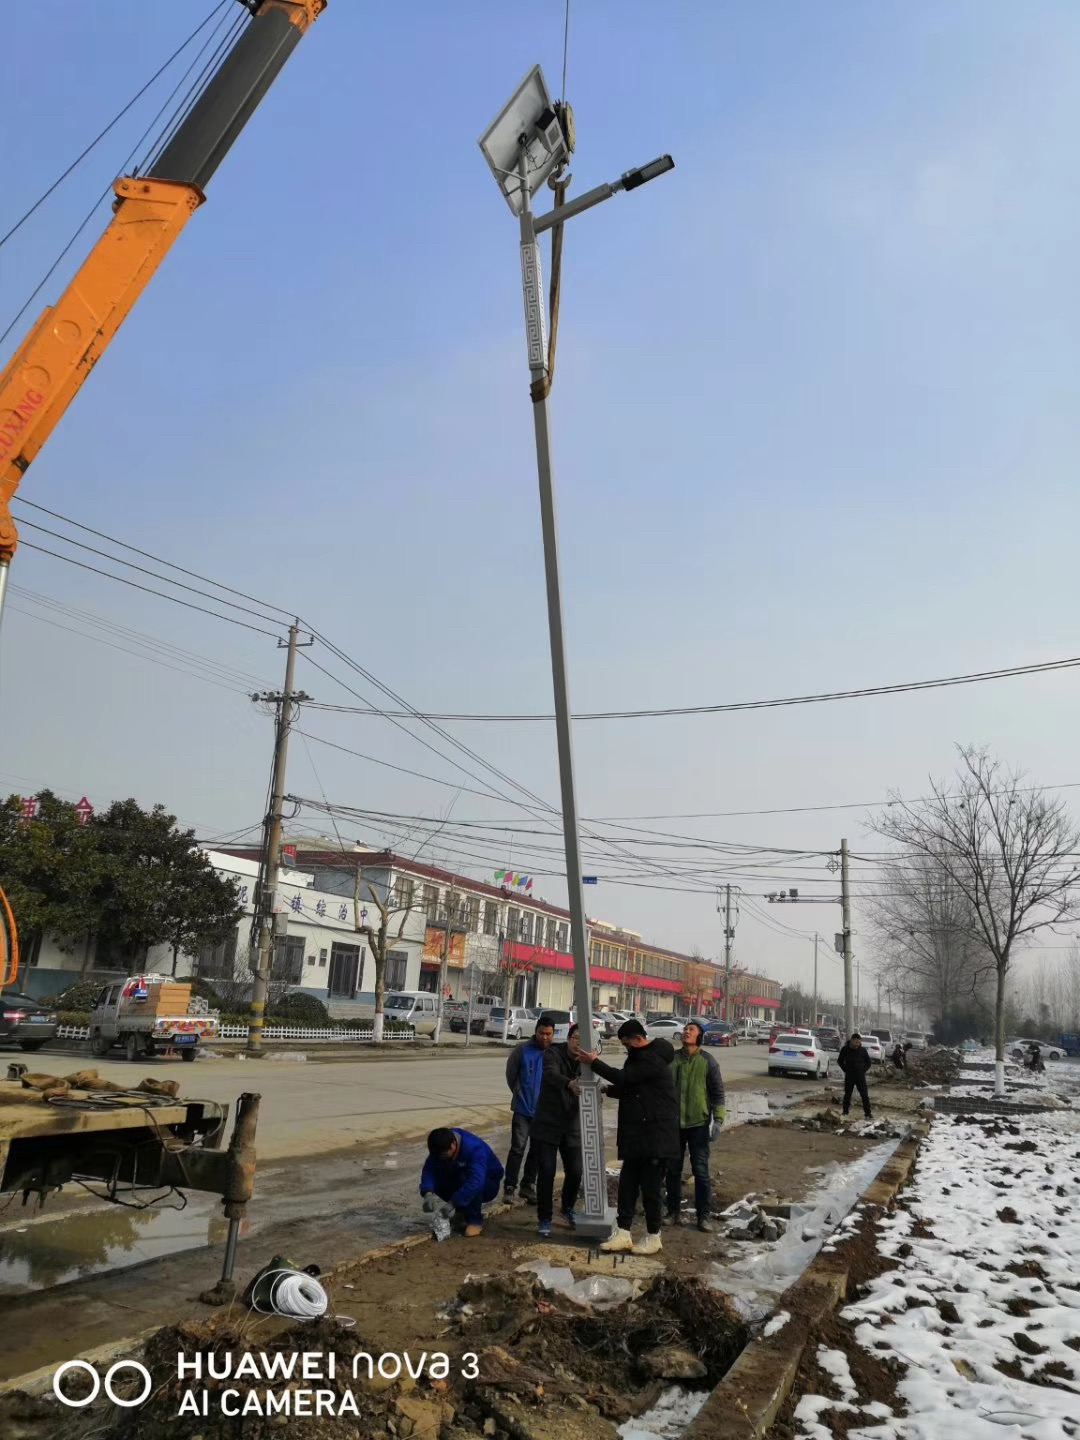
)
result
[(46, 372)]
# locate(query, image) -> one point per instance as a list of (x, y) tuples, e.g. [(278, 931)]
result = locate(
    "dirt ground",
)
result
[(544, 1361)]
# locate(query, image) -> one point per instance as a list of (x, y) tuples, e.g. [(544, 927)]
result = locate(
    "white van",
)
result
[(418, 1008)]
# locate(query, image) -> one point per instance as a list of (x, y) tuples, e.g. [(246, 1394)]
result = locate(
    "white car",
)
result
[(798, 1054), (666, 1029), (1018, 1050), (873, 1047), (520, 1024)]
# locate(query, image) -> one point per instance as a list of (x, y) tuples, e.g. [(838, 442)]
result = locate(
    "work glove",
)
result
[(716, 1121), (431, 1202), (446, 1210)]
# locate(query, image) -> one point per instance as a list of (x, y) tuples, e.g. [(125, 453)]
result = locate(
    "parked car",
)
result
[(873, 1046), (798, 1053), (1018, 1049), (775, 1030), (519, 1024), (887, 1037), (918, 1039), (26, 1022), (667, 1028), (612, 1019), (418, 1008), (562, 1020), (764, 1031), (828, 1038), (719, 1032)]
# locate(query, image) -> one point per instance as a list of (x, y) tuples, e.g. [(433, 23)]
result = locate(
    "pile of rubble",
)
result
[(933, 1067), (749, 1219)]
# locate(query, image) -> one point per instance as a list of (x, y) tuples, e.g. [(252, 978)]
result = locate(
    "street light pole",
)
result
[(594, 1219), (529, 142)]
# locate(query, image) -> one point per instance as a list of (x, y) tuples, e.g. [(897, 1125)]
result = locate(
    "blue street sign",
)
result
[(590, 879)]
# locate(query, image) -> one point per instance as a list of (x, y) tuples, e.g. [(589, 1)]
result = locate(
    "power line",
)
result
[(110, 126), (157, 559), (142, 570), (865, 692), (172, 657), (146, 589)]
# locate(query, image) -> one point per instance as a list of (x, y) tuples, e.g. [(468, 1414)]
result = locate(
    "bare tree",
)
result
[(924, 929), (379, 939), (1009, 850)]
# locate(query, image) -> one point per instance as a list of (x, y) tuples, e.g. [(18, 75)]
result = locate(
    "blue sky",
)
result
[(815, 420)]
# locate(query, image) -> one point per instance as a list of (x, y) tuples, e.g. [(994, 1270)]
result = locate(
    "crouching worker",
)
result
[(461, 1173)]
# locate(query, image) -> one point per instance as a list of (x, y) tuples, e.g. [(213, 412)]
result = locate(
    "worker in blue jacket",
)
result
[(460, 1174), (524, 1072)]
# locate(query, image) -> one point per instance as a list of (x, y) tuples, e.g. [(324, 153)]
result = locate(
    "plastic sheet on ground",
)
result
[(754, 1282), (669, 1418), (602, 1292)]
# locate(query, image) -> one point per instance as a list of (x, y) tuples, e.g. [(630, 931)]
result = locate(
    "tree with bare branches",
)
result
[(378, 938), (925, 941), (1010, 852)]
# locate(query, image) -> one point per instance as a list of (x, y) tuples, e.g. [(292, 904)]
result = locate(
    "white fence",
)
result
[(347, 1035)]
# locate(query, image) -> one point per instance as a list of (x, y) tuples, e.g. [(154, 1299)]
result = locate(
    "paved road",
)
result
[(310, 1108)]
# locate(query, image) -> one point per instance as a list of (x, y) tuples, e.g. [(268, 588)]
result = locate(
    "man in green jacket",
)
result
[(700, 1088)]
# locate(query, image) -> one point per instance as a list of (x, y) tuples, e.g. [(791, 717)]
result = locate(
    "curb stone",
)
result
[(748, 1399)]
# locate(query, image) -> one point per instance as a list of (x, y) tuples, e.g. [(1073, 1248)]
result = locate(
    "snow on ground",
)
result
[(983, 1311)]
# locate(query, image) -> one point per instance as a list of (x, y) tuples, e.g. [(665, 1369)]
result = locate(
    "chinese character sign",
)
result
[(320, 909), (343, 912), (296, 904), (83, 811), (29, 807)]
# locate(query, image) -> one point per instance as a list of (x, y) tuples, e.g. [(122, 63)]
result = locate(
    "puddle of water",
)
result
[(71, 1247)]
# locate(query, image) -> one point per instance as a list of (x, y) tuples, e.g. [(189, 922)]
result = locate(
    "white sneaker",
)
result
[(617, 1241), (651, 1245)]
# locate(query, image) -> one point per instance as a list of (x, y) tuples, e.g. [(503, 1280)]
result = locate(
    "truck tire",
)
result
[(99, 1046), (31, 1044), (188, 1054), (132, 1047)]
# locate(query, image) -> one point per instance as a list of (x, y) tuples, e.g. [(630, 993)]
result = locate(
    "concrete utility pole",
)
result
[(845, 903), (814, 1021), (437, 1037), (285, 702), (729, 935)]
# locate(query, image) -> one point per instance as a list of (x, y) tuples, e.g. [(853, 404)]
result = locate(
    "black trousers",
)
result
[(856, 1082), (647, 1177), (696, 1139), (520, 1131), (547, 1153)]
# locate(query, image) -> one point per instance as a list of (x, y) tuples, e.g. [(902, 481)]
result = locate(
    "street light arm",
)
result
[(630, 181), (575, 207)]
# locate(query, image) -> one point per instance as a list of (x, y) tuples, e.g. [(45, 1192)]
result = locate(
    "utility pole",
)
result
[(437, 1037), (728, 932), (285, 701), (845, 902), (729, 937), (814, 1021)]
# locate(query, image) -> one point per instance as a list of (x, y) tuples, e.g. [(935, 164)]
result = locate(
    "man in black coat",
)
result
[(854, 1060), (648, 1133), (556, 1130)]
